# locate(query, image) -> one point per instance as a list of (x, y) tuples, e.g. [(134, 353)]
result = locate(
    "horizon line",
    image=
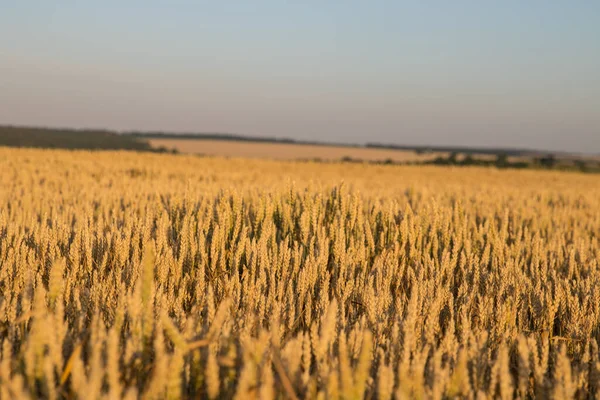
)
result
[(286, 140)]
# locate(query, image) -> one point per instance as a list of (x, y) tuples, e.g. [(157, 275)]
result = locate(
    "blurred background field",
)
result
[(227, 145)]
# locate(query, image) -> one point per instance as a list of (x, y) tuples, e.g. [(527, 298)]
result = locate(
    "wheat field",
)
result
[(128, 275)]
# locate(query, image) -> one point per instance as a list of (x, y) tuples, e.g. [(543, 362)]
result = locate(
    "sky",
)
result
[(520, 74)]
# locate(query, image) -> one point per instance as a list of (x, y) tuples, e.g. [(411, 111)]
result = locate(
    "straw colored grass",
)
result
[(127, 275)]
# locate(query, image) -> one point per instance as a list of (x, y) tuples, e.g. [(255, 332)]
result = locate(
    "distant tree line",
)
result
[(549, 161), (12, 136), (233, 137), (501, 161), (455, 149), (212, 136)]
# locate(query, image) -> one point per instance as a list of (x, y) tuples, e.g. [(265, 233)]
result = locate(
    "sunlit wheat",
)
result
[(127, 275)]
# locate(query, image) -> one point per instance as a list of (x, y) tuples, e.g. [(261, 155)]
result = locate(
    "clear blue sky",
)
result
[(480, 73)]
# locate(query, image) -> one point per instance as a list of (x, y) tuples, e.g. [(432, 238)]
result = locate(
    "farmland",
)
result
[(294, 151), (287, 151), (143, 275)]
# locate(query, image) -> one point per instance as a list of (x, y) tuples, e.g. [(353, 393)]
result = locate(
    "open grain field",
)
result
[(129, 275), (287, 151)]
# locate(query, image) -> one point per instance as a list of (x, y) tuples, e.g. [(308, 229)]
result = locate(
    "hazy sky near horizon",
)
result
[(506, 73)]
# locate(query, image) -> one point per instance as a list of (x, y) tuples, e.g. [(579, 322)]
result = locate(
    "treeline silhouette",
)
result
[(455, 149), (13, 136), (234, 138), (501, 161), (212, 136), (549, 161)]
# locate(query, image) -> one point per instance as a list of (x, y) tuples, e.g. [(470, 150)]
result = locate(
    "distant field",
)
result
[(284, 151)]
